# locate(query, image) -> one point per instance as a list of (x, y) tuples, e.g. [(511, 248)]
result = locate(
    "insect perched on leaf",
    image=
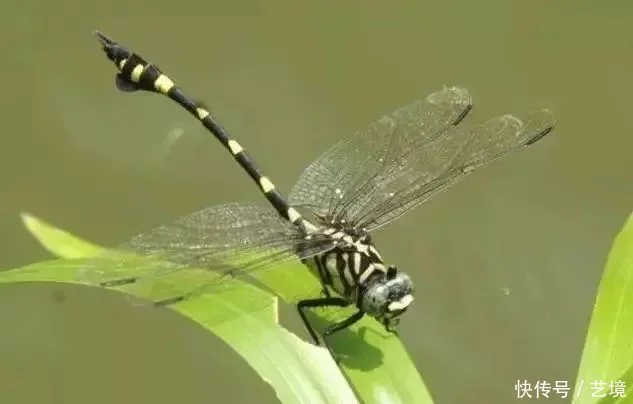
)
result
[(362, 183)]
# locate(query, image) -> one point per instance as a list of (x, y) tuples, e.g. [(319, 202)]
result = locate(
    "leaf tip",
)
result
[(29, 220)]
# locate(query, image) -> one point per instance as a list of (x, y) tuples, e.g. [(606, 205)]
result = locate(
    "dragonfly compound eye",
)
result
[(400, 297), (376, 299)]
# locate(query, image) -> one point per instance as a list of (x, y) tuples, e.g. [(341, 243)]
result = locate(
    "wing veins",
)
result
[(482, 145)]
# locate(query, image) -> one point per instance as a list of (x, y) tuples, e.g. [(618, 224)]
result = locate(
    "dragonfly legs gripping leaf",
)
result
[(323, 302)]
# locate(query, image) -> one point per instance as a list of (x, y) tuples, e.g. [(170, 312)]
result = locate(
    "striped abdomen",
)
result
[(137, 74)]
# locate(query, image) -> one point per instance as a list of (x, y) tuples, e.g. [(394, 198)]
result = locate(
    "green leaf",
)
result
[(374, 361), (58, 242), (608, 352), (627, 384), (299, 372)]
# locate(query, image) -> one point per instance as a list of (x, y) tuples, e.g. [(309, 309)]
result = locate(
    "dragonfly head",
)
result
[(388, 297)]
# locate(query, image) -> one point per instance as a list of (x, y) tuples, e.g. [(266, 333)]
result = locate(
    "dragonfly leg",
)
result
[(343, 324), (340, 326), (313, 303)]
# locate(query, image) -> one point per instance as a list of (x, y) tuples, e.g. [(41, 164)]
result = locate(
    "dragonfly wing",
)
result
[(230, 239), (424, 172), (338, 180)]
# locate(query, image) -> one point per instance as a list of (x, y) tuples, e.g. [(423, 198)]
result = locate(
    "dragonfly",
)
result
[(362, 183)]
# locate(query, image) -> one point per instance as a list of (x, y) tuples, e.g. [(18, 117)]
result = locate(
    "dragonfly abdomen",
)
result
[(137, 74)]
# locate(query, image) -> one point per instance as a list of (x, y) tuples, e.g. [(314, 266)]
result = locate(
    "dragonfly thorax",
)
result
[(354, 269)]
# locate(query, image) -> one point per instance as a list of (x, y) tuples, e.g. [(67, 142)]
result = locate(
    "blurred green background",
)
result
[(506, 264)]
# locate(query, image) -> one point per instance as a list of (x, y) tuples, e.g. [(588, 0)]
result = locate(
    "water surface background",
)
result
[(506, 264)]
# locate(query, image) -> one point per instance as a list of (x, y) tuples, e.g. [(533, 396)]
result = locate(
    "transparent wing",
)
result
[(336, 183), (425, 171), (231, 239)]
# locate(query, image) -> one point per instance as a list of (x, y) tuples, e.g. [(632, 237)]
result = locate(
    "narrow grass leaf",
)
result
[(608, 352), (374, 362)]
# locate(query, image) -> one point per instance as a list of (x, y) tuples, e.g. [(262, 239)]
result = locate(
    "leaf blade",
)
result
[(608, 350), (382, 369)]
